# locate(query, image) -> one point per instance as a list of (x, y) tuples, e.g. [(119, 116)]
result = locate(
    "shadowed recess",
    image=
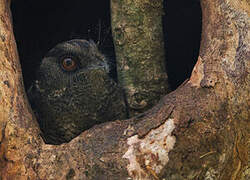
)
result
[(182, 31), (40, 25)]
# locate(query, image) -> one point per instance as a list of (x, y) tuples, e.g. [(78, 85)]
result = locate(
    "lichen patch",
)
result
[(148, 156)]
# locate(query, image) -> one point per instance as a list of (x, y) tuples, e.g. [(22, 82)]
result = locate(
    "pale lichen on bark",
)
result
[(148, 156)]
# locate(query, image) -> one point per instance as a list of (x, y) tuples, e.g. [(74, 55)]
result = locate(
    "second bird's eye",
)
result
[(69, 64)]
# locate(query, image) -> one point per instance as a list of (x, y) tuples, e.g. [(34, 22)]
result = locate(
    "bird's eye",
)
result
[(69, 64)]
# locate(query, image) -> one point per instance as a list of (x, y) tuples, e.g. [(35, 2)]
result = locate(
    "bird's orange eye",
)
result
[(68, 64)]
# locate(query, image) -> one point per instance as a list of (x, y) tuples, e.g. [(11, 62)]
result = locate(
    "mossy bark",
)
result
[(138, 38), (199, 131)]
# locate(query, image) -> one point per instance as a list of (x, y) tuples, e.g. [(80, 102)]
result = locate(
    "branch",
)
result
[(138, 38)]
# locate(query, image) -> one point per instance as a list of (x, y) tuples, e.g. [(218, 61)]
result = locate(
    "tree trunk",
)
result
[(199, 131)]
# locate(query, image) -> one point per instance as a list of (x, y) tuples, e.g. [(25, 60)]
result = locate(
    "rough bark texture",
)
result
[(138, 38), (199, 131)]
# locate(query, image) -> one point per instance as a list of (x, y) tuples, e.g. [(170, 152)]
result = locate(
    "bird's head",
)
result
[(73, 90)]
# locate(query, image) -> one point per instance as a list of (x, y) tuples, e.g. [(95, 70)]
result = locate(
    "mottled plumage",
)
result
[(73, 91)]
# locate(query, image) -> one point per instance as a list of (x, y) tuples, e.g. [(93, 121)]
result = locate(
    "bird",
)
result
[(73, 91)]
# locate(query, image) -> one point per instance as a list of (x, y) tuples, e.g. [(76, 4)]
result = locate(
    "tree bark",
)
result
[(138, 38), (199, 131)]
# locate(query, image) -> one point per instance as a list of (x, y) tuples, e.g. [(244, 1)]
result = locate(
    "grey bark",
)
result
[(139, 46)]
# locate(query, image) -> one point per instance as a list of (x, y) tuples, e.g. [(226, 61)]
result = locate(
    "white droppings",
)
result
[(150, 152)]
